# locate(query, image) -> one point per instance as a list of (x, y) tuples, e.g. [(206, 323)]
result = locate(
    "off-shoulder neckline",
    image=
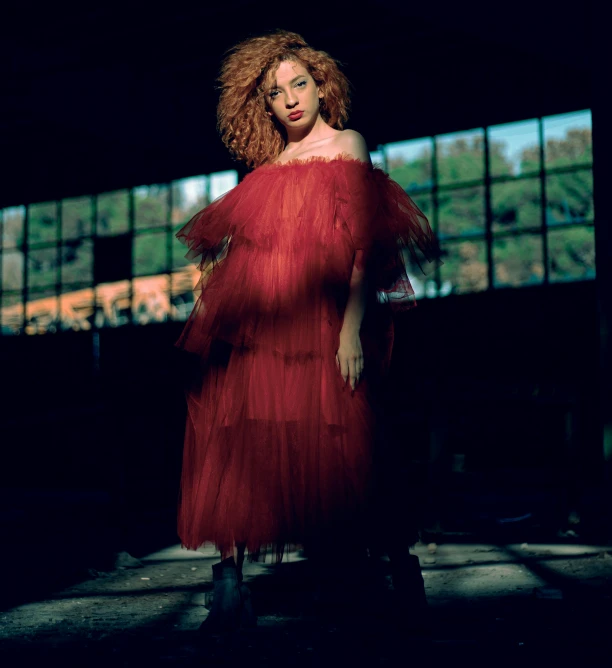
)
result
[(294, 162)]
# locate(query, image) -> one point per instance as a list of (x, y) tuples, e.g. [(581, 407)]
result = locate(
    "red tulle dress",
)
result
[(278, 449)]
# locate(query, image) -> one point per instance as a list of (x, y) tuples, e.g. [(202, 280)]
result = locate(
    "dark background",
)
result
[(105, 96), (101, 98)]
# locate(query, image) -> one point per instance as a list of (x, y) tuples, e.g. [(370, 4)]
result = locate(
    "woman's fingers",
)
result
[(351, 369), (358, 372), (342, 365)]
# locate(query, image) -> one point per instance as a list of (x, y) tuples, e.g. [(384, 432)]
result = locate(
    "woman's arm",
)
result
[(350, 353), (355, 306)]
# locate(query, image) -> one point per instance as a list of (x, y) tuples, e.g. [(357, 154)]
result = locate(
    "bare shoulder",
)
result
[(353, 143)]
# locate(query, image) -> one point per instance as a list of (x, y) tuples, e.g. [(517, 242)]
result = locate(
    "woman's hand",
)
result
[(349, 357)]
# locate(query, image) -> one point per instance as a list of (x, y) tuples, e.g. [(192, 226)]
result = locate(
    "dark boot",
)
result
[(226, 609)]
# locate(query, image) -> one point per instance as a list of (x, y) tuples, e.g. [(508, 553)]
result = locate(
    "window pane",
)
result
[(11, 313), (12, 269), (182, 296), (188, 197), (12, 226), (460, 156), (42, 267), (570, 197), (151, 299), (151, 206), (516, 204), (461, 211), (571, 253), (42, 222), (112, 304), (409, 163), (425, 202), (42, 314), (222, 182), (464, 268), (76, 217), (568, 139), (77, 261), (178, 255), (378, 159), (149, 255), (514, 148), (77, 308), (518, 260), (112, 213)]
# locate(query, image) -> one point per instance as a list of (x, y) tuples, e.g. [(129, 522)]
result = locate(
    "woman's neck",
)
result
[(299, 140)]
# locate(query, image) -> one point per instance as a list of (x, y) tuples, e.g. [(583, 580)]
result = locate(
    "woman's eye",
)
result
[(274, 93)]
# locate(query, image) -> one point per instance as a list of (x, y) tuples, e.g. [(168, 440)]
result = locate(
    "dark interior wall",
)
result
[(510, 377), (99, 98)]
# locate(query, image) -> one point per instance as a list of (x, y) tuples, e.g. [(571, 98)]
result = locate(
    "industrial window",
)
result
[(102, 260), (512, 206)]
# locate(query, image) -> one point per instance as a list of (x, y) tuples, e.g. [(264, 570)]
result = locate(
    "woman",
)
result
[(302, 264)]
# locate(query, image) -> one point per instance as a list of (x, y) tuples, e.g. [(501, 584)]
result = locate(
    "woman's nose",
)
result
[(291, 100)]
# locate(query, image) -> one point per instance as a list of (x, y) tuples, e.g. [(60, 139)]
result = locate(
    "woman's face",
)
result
[(293, 96)]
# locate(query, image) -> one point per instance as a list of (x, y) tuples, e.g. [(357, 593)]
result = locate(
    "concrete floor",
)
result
[(503, 604)]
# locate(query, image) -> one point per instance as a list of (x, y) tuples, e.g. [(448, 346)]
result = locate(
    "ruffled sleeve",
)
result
[(387, 229), (208, 232)]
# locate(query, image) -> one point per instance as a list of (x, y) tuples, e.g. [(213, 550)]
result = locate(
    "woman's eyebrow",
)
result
[(299, 76)]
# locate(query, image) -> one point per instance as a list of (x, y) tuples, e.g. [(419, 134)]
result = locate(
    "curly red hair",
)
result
[(245, 127)]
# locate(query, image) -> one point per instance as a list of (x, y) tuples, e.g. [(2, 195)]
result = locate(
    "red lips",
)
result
[(294, 115)]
